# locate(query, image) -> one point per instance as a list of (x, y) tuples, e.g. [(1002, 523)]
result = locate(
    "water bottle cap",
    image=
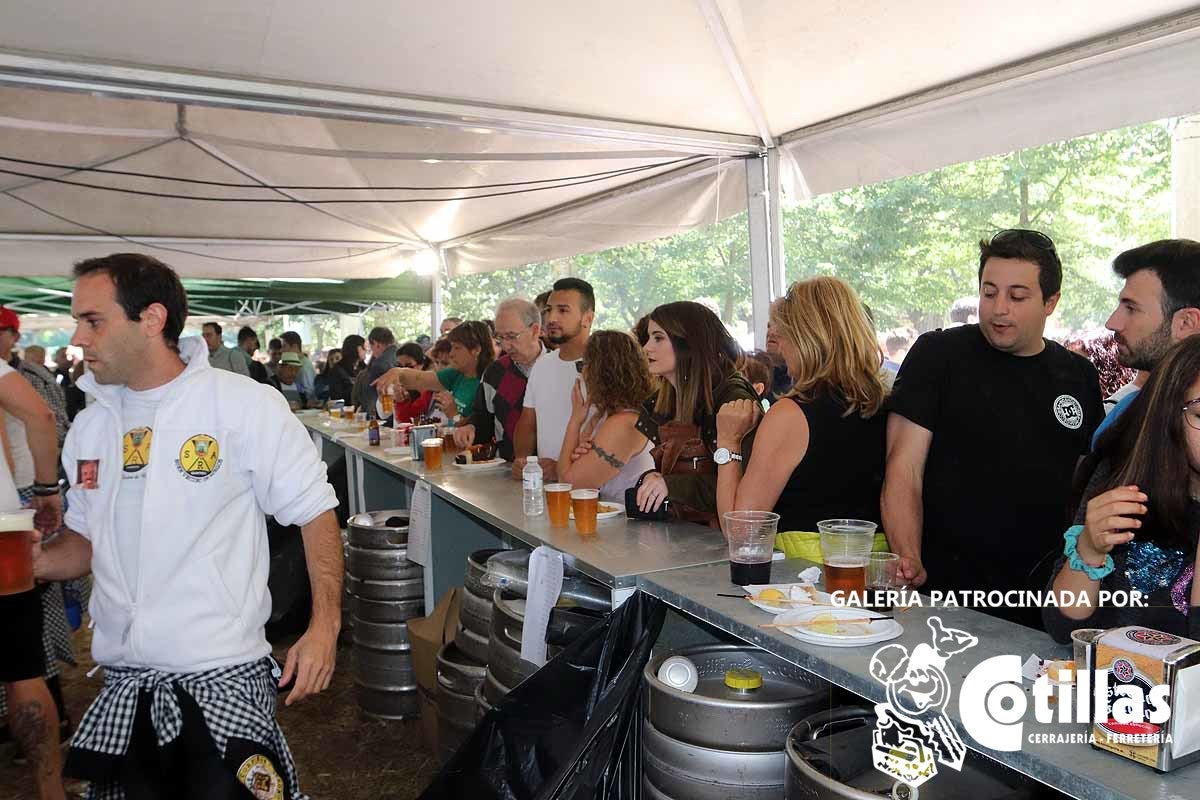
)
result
[(531, 460)]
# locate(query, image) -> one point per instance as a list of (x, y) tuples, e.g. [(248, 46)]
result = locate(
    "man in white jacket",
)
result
[(175, 466)]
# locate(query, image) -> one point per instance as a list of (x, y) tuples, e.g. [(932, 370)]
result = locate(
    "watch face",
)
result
[(721, 455)]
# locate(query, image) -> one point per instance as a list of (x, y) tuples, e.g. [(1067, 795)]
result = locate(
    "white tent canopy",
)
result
[(466, 94)]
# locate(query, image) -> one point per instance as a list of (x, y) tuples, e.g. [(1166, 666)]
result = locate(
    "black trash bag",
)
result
[(569, 731)]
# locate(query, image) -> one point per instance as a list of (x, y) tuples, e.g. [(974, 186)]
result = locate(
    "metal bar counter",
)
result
[(471, 509), (1076, 769)]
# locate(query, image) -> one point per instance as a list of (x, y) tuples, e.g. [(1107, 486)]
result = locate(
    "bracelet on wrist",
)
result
[(1076, 562)]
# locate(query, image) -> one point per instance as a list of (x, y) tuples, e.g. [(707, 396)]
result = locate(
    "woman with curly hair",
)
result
[(605, 405)]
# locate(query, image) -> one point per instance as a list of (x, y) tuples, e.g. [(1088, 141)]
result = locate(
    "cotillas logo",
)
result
[(913, 734)]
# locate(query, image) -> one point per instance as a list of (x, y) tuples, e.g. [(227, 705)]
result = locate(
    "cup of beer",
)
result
[(16, 551), (558, 504), (432, 449), (387, 401), (751, 539), (585, 503), (845, 548)]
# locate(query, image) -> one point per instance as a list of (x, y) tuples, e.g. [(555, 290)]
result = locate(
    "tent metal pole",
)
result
[(758, 218), (775, 207), (435, 302), (196, 88)]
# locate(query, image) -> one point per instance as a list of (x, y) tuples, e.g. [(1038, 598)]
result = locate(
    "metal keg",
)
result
[(388, 611), (378, 530), (682, 771), (476, 569), (475, 612), (471, 643), (482, 705), (457, 678), (388, 590), (381, 565), (830, 757), (726, 738), (383, 672)]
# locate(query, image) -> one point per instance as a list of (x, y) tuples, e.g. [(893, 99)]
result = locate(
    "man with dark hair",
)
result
[(382, 344), (220, 356), (964, 311), (986, 425), (247, 347), (1159, 306), (306, 382), (274, 351), (543, 421), (180, 465)]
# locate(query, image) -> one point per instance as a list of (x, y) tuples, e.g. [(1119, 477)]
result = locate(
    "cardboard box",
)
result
[(426, 635)]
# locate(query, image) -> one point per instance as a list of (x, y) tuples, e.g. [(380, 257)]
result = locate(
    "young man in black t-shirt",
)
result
[(986, 426)]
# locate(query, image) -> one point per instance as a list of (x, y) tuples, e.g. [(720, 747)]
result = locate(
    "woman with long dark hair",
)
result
[(695, 360), (342, 373), (1138, 524)]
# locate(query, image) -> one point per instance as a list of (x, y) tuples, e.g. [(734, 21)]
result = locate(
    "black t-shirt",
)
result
[(1007, 434)]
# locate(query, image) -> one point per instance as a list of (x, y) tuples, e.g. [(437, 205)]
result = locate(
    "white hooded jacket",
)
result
[(225, 451)]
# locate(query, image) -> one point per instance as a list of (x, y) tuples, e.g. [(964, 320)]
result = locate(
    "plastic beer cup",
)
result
[(558, 504), (432, 448), (585, 503), (845, 547), (16, 551)]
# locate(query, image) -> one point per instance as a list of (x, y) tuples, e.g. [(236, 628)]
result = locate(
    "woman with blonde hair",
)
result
[(605, 405), (820, 449)]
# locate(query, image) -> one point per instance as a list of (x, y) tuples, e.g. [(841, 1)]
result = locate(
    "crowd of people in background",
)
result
[(994, 458)]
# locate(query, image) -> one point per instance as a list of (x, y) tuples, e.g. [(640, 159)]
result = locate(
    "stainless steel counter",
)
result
[(1076, 769), (685, 566), (621, 550)]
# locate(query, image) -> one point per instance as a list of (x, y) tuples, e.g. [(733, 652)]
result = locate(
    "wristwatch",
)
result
[(723, 455)]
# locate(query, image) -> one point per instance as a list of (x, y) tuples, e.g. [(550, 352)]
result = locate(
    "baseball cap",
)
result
[(291, 358), (9, 319)]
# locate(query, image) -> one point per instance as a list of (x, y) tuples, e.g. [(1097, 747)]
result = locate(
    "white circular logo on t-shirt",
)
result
[(1068, 411)]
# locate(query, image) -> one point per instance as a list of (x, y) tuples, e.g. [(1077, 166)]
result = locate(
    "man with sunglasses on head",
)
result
[(987, 422), (500, 398), (1159, 306)]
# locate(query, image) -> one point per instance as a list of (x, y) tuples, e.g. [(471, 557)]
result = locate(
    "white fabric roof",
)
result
[(853, 92)]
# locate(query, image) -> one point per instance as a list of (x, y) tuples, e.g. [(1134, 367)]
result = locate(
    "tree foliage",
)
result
[(909, 246)]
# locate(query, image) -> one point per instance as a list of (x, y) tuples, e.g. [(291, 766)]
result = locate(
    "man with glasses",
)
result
[(500, 398), (987, 422), (1159, 306)]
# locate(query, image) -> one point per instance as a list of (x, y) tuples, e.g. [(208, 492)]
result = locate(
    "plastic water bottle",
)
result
[(531, 481)]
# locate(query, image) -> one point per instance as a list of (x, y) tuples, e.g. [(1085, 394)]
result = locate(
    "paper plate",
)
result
[(483, 465), (820, 598), (854, 636), (606, 511)]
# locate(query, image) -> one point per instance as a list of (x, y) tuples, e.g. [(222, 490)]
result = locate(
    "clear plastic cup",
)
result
[(845, 547), (585, 503), (751, 538), (558, 504), (1081, 642), (432, 450), (16, 551)]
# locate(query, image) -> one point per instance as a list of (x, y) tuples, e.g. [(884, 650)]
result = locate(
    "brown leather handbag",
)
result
[(682, 451)]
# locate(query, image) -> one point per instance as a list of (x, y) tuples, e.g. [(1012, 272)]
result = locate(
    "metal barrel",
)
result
[(719, 741)]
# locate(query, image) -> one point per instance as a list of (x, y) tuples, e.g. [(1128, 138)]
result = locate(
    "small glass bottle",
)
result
[(373, 431)]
